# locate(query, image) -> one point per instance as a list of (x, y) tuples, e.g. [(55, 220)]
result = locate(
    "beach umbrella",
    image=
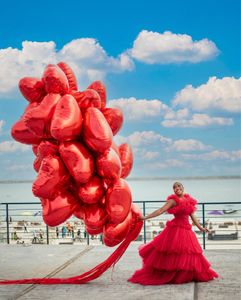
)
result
[(215, 212)]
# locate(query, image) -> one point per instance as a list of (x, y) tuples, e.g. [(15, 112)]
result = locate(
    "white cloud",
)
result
[(1, 125), (145, 138), (197, 120), (145, 110), (139, 109), (85, 55), (12, 146), (156, 48), (20, 167), (215, 155), (220, 94), (165, 164), (188, 145)]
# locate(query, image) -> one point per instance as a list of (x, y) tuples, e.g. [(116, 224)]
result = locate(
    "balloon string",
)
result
[(93, 273)]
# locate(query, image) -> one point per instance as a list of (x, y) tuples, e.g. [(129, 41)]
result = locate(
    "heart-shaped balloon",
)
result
[(99, 87), (109, 165), (70, 76), (126, 157), (51, 177), (114, 117), (44, 149), (38, 119), (55, 81), (78, 161), (113, 234), (96, 131), (32, 89), (93, 191), (67, 119), (118, 201), (87, 98), (79, 212), (58, 210), (94, 216), (22, 134)]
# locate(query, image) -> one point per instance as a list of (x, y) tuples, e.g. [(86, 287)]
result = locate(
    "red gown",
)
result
[(175, 255)]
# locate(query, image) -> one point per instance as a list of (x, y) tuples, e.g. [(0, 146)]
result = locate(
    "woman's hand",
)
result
[(142, 218), (204, 229)]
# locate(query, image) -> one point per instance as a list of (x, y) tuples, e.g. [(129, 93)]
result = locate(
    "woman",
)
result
[(175, 255)]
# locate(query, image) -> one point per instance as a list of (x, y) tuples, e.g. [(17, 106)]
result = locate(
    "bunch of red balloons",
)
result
[(80, 169)]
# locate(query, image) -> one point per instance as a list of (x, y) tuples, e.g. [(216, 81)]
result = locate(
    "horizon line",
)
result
[(144, 178)]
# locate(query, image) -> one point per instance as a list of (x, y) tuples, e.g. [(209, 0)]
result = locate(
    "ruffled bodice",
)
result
[(184, 206)]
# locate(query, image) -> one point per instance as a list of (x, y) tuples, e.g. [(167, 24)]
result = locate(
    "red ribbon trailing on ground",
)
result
[(96, 271)]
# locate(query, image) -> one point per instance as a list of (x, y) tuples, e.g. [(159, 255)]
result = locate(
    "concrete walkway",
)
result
[(18, 261)]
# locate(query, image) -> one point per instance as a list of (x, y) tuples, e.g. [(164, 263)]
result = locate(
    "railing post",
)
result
[(7, 220), (88, 238), (204, 233), (47, 234), (144, 213)]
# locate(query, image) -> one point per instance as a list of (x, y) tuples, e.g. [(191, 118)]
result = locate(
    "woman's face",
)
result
[(178, 189)]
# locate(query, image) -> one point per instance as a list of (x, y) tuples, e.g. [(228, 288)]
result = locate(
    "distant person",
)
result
[(69, 229), (175, 255), (41, 234), (15, 236), (72, 232), (25, 227), (64, 231), (57, 232), (34, 240)]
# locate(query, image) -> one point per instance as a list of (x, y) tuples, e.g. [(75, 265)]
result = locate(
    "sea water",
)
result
[(204, 190), (208, 190)]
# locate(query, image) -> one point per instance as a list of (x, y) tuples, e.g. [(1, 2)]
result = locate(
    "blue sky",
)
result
[(172, 66)]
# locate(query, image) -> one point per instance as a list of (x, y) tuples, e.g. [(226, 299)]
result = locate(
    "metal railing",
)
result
[(20, 221)]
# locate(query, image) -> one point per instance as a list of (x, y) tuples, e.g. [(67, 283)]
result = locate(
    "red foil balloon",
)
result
[(96, 131), (99, 87), (78, 161), (35, 149), (87, 98), (79, 212), (94, 231), (126, 157), (118, 201), (67, 119), (52, 175), (95, 216), (114, 117), (109, 165), (37, 163), (32, 89), (115, 148), (70, 75), (44, 149), (38, 119), (113, 234), (93, 191), (22, 134), (59, 209), (55, 81)]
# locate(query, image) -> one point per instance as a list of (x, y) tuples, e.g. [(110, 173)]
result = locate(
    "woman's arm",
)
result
[(195, 221), (161, 210)]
